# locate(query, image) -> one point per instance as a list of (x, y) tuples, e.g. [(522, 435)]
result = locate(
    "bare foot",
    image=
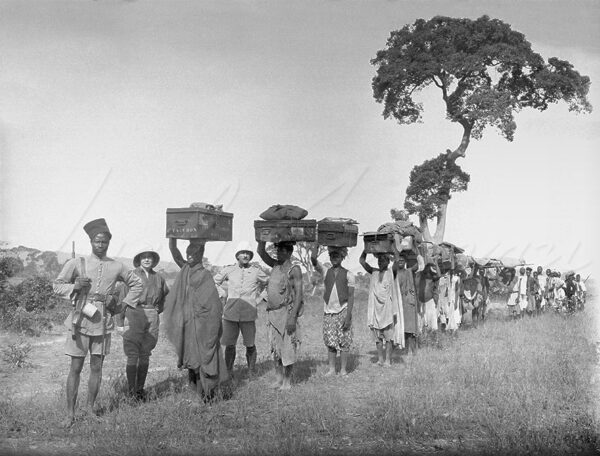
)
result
[(285, 386), (276, 384), (329, 373), (387, 364), (344, 373), (380, 363)]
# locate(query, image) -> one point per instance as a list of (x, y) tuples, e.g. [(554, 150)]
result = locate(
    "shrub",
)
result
[(17, 353), (31, 307)]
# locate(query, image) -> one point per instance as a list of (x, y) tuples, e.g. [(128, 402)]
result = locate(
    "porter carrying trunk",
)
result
[(285, 230), (336, 234), (197, 223)]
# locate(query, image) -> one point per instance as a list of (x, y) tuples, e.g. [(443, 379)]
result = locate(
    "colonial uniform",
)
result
[(142, 335), (239, 313), (104, 274)]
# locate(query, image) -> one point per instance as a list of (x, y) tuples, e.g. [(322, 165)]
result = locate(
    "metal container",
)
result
[(285, 230), (378, 242), (196, 223), (337, 234)]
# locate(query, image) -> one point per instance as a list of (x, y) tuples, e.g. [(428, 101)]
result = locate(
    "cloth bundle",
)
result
[(284, 212), (210, 207), (344, 220), (403, 228)]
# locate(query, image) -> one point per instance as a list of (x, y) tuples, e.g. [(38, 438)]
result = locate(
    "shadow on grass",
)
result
[(117, 393)]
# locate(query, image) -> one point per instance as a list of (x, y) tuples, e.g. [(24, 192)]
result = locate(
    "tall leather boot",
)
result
[(251, 359), (142, 372), (131, 372), (229, 358)]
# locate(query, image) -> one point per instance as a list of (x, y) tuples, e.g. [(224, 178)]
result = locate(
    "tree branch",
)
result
[(461, 150), (440, 228), (438, 84), (425, 228)]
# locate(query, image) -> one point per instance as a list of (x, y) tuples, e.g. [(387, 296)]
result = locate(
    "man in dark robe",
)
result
[(193, 313), (410, 308)]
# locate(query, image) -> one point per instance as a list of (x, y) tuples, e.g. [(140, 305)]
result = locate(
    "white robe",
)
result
[(384, 306)]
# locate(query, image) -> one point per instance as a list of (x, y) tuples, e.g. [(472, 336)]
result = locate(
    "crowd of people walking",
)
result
[(203, 313)]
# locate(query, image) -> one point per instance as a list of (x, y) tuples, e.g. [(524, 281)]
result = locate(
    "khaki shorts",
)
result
[(231, 332), (82, 344)]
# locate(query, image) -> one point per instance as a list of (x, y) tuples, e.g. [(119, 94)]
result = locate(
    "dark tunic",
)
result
[(193, 313), (409, 300)]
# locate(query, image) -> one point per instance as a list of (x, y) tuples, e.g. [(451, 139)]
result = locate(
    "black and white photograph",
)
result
[(304, 227)]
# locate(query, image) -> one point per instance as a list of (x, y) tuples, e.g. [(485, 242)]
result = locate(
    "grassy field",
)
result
[(525, 387)]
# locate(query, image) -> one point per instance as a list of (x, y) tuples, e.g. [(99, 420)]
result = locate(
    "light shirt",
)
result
[(522, 285), (243, 291), (104, 274), (334, 306), (542, 283)]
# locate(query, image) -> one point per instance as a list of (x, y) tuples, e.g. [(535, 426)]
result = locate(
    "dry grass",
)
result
[(520, 387)]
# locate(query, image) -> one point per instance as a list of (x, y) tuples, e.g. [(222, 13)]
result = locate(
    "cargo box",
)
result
[(196, 223), (430, 252), (285, 230), (379, 242), (337, 234)]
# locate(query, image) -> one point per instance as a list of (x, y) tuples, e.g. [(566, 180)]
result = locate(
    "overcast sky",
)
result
[(123, 109)]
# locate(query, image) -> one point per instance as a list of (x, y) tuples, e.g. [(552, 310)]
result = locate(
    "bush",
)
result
[(35, 294), (31, 307), (9, 266), (17, 353)]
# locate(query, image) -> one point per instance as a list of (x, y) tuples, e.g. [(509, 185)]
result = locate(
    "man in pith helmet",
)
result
[(244, 283)]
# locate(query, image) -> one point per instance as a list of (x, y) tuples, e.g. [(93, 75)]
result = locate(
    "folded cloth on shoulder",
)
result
[(284, 212), (344, 220), (403, 228), (209, 207)]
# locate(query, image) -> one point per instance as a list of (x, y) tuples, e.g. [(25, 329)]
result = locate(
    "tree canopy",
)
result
[(485, 72)]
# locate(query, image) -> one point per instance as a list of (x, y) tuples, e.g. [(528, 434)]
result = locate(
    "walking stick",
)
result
[(80, 300), (109, 295), (103, 326)]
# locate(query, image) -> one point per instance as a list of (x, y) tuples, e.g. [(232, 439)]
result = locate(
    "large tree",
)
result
[(485, 73)]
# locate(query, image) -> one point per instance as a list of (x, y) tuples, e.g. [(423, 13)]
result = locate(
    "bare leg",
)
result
[(344, 362), (380, 358), (73, 387), (94, 381), (331, 354), (278, 373), (389, 346), (287, 378)]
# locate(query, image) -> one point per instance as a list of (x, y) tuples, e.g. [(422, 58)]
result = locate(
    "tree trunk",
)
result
[(425, 229), (440, 229), (461, 150)]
